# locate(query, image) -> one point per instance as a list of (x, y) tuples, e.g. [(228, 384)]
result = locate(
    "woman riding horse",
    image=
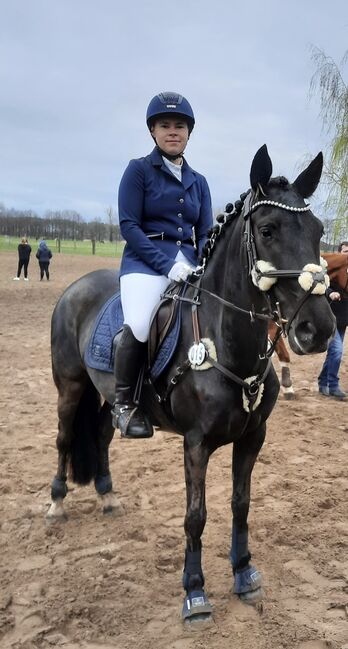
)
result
[(161, 199), (260, 263)]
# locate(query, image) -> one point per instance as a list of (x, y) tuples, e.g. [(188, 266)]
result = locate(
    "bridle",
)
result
[(318, 276), (314, 274)]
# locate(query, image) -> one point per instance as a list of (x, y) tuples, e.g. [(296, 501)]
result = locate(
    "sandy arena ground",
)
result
[(98, 582)]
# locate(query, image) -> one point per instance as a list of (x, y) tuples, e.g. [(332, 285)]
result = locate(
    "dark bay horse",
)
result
[(337, 269), (260, 263)]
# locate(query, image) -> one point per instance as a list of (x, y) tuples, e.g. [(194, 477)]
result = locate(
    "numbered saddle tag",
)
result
[(197, 354)]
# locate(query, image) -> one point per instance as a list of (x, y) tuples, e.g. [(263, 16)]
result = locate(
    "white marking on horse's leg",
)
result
[(111, 504), (288, 392), (56, 510)]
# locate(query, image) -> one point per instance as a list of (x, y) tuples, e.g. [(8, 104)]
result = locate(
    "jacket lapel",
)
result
[(188, 175)]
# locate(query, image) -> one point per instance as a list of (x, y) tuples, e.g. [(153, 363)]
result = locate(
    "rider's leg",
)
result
[(129, 358), (139, 295)]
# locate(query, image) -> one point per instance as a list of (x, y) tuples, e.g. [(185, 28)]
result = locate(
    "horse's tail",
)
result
[(83, 452)]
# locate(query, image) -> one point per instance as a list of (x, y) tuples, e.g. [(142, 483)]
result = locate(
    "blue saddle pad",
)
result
[(99, 353)]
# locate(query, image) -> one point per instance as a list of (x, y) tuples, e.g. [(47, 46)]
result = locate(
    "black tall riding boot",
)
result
[(129, 358)]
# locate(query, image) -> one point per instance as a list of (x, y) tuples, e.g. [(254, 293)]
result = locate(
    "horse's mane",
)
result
[(226, 218), (222, 221)]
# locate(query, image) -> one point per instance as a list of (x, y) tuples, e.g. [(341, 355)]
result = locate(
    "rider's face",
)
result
[(344, 250), (171, 134)]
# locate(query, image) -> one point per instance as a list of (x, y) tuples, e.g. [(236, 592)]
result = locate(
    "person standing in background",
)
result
[(44, 255), (328, 380), (24, 251)]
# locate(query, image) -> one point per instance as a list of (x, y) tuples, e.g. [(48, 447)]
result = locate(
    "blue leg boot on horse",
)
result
[(129, 361)]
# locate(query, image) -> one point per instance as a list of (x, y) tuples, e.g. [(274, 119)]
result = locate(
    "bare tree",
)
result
[(111, 219)]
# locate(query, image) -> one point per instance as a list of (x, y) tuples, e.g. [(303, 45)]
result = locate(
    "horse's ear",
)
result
[(307, 182), (261, 168)]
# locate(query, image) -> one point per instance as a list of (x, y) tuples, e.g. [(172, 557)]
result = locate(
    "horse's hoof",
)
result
[(253, 597), (112, 506), (56, 512), (196, 607), (247, 580), (289, 396), (197, 622)]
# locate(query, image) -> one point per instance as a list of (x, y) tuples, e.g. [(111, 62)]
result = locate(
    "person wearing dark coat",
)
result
[(328, 380), (24, 251), (165, 213), (44, 255)]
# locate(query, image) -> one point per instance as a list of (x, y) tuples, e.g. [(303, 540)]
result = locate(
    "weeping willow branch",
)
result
[(329, 82)]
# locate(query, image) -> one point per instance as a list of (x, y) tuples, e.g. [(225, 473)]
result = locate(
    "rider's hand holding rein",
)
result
[(180, 271), (161, 201)]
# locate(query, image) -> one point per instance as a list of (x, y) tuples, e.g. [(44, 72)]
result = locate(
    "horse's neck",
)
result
[(226, 276), (337, 269)]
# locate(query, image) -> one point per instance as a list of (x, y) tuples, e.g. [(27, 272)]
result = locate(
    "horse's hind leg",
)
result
[(247, 580), (102, 480), (69, 395), (196, 605)]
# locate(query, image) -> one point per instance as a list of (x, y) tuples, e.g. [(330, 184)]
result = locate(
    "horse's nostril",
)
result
[(305, 331)]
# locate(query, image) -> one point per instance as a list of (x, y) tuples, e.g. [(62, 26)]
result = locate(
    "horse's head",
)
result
[(284, 251)]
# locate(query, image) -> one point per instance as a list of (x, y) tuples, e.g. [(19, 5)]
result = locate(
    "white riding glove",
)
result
[(180, 271)]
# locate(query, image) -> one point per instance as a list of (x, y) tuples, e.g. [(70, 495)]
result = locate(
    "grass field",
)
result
[(8, 244)]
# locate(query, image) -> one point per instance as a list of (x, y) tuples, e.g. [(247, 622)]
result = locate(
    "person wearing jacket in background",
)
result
[(161, 201), (328, 380), (24, 251), (44, 256)]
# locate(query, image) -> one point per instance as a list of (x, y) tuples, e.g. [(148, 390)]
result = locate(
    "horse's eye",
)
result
[(266, 232)]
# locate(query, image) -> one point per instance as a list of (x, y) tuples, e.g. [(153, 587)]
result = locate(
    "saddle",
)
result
[(162, 321), (163, 338)]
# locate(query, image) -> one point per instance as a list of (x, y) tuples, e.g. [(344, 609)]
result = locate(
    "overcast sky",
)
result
[(76, 77)]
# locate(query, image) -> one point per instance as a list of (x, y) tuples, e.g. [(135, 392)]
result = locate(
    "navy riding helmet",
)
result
[(170, 103)]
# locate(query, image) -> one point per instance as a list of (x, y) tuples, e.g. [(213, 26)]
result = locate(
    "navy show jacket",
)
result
[(151, 201)]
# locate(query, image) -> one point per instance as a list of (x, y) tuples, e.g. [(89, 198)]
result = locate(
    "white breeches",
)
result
[(139, 295)]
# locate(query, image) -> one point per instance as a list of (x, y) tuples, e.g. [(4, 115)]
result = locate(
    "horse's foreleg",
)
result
[(196, 605), (68, 400), (247, 580), (286, 381), (284, 361), (103, 481)]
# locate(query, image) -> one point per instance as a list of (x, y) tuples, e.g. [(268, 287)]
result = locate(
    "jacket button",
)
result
[(179, 215), (179, 229), (178, 243), (181, 200)]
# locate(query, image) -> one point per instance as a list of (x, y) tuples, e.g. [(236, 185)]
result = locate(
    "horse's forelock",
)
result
[(279, 182)]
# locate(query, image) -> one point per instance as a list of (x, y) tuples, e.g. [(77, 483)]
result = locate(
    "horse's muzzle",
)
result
[(308, 337)]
